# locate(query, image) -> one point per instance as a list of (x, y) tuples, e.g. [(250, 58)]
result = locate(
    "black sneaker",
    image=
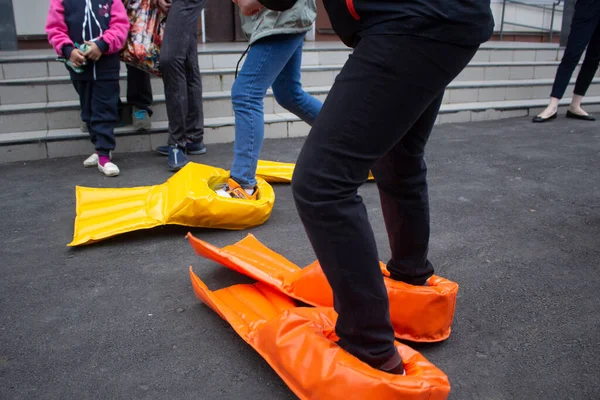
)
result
[(177, 158), (393, 366), (191, 148)]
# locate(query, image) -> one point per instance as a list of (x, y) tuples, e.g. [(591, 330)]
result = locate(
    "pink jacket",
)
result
[(102, 21)]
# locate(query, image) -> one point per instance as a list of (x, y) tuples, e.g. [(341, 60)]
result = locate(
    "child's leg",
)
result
[(264, 62), (288, 91), (84, 90), (104, 107)]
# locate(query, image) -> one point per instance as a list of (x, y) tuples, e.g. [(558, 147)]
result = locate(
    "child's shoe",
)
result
[(107, 167), (92, 160), (234, 190), (195, 148)]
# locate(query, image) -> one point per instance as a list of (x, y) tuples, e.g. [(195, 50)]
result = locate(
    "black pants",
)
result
[(181, 73), (139, 89), (585, 31), (378, 116), (99, 102)]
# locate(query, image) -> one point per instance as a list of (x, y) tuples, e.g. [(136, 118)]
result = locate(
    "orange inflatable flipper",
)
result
[(299, 344), (418, 313)]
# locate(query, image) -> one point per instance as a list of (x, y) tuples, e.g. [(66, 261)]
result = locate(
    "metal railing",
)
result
[(546, 5)]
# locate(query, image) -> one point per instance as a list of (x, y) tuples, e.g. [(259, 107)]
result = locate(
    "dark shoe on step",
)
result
[(141, 120), (572, 115), (539, 119)]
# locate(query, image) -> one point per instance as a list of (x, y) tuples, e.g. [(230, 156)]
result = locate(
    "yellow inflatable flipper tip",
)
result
[(278, 172), (275, 172)]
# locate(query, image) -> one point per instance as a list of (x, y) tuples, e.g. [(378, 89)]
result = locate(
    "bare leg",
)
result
[(575, 106), (551, 109)]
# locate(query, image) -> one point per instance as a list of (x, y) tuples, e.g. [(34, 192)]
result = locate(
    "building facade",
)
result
[(221, 23)]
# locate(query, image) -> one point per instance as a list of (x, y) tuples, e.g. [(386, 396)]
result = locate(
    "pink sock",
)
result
[(103, 160)]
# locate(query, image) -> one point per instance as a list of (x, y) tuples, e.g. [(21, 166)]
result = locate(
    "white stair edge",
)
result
[(23, 56), (65, 79), (24, 108), (158, 127)]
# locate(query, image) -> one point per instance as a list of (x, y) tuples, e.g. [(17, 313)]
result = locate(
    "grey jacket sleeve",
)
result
[(278, 5)]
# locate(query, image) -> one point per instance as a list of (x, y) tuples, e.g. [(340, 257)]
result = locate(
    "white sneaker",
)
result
[(109, 169), (223, 193), (92, 160)]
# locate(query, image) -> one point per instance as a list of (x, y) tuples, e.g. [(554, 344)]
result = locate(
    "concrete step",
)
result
[(40, 64), (24, 146), (65, 114), (59, 88)]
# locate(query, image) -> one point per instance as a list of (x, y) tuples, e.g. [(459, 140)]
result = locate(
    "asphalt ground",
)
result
[(515, 221)]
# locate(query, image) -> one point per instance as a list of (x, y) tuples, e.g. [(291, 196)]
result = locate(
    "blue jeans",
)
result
[(273, 61)]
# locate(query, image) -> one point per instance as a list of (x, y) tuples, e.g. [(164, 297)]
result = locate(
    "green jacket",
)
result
[(297, 19)]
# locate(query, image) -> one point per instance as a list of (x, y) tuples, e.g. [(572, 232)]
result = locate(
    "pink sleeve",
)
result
[(116, 34), (56, 27)]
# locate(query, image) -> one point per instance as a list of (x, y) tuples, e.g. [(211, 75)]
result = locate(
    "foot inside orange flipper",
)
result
[(418, 313), (299, 344)]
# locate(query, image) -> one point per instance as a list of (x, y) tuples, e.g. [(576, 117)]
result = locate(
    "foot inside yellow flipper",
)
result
[(187, 198)]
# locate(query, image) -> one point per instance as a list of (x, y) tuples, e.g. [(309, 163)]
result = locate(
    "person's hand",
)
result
[(77, 58), (249, 7), (93, 53), (164, 5)]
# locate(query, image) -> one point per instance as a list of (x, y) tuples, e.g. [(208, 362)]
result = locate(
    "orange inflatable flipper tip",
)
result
[(418, 313), (299, 344)]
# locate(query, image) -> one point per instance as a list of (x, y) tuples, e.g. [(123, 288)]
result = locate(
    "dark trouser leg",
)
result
[(401, 177), (139, 89), (84, 90), (582, 29), (590, 63), (195, 115), (388, 83), (105, 100), (180, 33)]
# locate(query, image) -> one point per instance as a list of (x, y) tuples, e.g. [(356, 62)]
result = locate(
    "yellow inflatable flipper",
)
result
[(277, 172), (187, 198)]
